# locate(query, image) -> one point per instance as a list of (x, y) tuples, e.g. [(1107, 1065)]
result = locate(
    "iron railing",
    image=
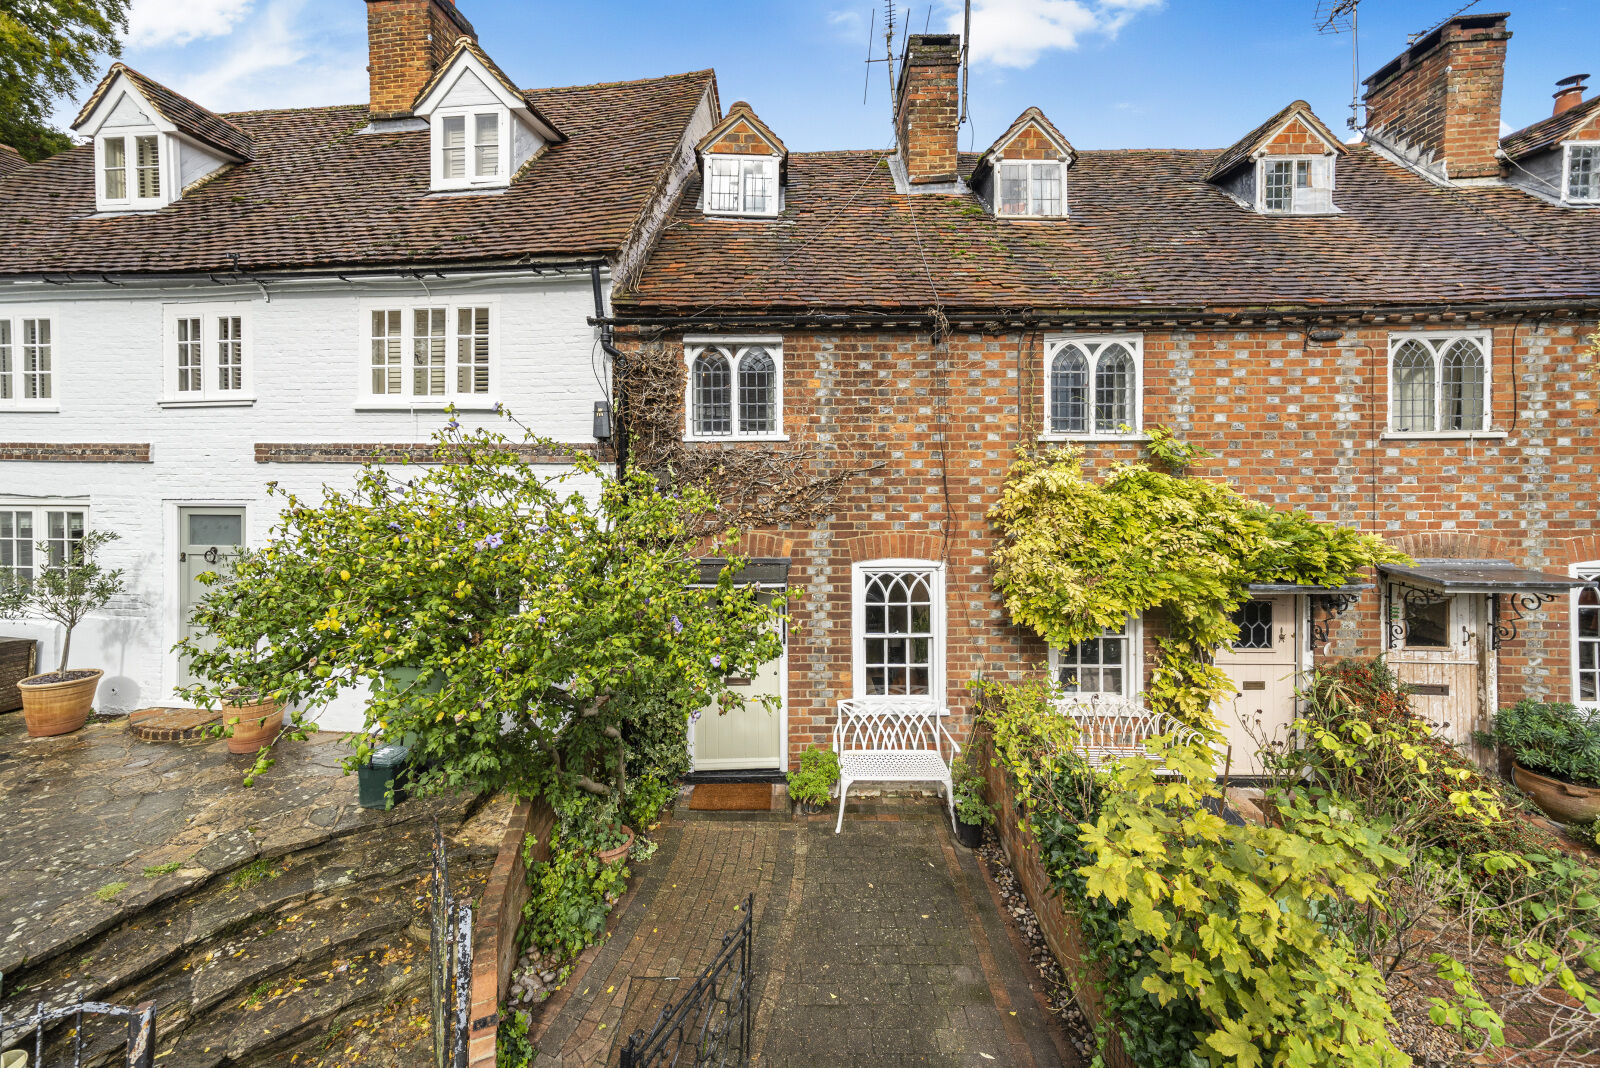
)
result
[(450, 962), (141, 1021), (709, 1024)]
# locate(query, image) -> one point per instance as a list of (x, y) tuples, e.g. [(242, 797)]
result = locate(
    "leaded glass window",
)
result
[(1439, 383), (1254, 620), (1092, 387), (735, 390), (897, 631), (741, 185), (758, 381), (1586, 667), (1100, 665), (1297, 186), (1069, 392), (1583, 172), (1030, 188), (712, 388), (1461, 382)]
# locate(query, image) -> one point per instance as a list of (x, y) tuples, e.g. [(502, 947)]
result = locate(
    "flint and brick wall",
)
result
[(1294, 423)]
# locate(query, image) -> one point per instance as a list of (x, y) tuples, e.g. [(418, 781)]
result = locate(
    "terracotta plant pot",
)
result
[(1564, 801), (51, 708), (611, 856), (254, 725)]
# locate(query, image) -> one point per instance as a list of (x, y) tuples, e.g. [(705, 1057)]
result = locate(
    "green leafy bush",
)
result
[(969, 787), (812, 783), (572, 894), (1552, 738)]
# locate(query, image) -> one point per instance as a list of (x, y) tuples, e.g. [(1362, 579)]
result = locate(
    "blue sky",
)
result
[(1110, 73)]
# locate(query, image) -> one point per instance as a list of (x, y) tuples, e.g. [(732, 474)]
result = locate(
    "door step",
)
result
[(769, 775)]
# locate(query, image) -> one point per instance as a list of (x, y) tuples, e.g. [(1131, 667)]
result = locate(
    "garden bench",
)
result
[(1111, 728), (893, 739)]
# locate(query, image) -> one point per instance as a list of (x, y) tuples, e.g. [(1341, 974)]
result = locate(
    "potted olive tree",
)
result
[(1556, 747), (65, 591)]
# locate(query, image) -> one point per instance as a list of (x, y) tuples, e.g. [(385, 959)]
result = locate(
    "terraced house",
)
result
[(195, 305), (1386, 331)]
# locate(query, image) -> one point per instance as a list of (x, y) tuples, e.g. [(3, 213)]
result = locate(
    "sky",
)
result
[(1109, 73)]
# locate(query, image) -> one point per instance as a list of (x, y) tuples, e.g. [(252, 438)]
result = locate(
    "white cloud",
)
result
[(163, 23), (1015, 33)]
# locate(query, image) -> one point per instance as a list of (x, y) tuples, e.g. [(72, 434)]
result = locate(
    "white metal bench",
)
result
[(1112, 728), (893, 739)]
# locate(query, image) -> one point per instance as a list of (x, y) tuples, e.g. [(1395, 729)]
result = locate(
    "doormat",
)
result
[(732, 797)]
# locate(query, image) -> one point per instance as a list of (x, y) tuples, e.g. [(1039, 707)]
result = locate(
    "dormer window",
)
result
[(1296, 186), (1030, 188), (1583, 174), (468, 149), (738, 185), (132, 163)]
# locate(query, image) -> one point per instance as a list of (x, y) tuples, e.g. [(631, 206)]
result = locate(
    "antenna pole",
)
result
[(966, 46), (866, 82)]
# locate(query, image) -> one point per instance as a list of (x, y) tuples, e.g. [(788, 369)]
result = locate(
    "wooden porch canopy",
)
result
[(1513, 591), (759, 570)]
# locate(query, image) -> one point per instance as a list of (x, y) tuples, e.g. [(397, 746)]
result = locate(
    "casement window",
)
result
[(36, 536), (741, 185), (27, 361), (899, 629), (208, 360), (734, 389), (130, 171), (1582, 171), (1099, 666), (432, 356), (471, 148), (1439, 383), (1030, 189), (1093, 386), (1295, 185), (1586, 637)]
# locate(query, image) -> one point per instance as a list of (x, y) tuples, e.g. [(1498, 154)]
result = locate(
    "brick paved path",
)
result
[(881, 946)]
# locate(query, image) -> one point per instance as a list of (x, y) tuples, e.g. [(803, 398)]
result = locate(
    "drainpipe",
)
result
[(619, 427)]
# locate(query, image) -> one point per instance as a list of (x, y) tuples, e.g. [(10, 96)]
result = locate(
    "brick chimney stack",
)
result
[(927, 109), (1569, 93), (406, 42), (1439, 101)]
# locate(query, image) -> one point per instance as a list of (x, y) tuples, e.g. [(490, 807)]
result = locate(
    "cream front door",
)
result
[(1264, 665), (1436, 644), (208, 540), (749, 735)]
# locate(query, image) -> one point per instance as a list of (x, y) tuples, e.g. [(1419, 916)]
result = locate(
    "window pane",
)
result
[(453, 147), (487, 139), (1069, 392), (1462, 386), (427, 352), (1013, 189), (36, 359), (1254, 620), (712, 394), (6, 365), (116, 161), (757, 186), (1083, 668), (189, 356), (1113, 390), (722, 189), (1414, 407), (386, 352), (230, 352), (902, 662), (472, 350), (1583, 161), (758, 387), (149, 159), (217, 529), (63, 535), (1277, 192), (1426, 618), (1046, 189)]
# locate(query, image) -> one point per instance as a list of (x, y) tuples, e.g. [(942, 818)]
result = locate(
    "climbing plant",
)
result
[(1077, 556)]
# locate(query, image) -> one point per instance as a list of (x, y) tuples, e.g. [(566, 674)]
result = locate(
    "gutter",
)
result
[(235, 275)]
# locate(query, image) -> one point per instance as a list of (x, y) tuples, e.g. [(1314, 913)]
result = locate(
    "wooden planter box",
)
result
[(17, 659)]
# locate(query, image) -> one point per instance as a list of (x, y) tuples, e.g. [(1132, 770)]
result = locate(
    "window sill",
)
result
[(1095, 438), (205, 402), (459, 190), (461, 404), (1447, 435), (29, 406), (713, 214), (736, 437)]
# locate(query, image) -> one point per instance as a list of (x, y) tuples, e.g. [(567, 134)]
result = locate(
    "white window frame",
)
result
[(1589, 570), (1031, 212), (858, 644), (129, 136), (1437, 342), (40, 509), (1566, 172), (769, 164), (13, 369), (733, 349), (1319, 197), (368, 400), (211, 393), (471, 179), (1132, 665), (1093, 344)]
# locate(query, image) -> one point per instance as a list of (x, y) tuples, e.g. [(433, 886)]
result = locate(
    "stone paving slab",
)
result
[(881, 946)]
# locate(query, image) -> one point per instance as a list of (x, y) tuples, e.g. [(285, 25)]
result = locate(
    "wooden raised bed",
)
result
[(17, 659)]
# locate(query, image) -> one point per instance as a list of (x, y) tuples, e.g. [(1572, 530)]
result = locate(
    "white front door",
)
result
[(1264, 666), (1436, 644), (208, 540), (748, 735)]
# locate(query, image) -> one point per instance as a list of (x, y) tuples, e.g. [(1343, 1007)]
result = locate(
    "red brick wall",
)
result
[(742, 139), (1292, 422), (1296, 139), (1030, 143), (406, 42), (495, 923), (929, 108), (1443, 96)]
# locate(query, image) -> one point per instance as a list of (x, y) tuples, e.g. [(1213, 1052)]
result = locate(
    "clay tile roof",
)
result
[(11, 161), (742, 112), (467, 44), (322, 195), (1031, 115), (185, 114), (1147, 233), (1241, 150), (1550, 132)]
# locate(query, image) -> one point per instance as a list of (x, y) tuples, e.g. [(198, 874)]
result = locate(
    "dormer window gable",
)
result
[(1558, 159), (150, 144), (1286, 166), (1024, 173), (481, 128), (742, 166)]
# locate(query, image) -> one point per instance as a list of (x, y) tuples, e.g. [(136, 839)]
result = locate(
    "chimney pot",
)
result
[(1569, 93)]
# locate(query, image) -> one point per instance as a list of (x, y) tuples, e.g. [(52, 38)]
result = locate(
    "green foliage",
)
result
[(252, 874), (67, 589), (110, 890), (1470, 1016), (46, 50), (812, 783), (969, 788), (572, 894), (155, 871), (513, 1049), (649, 796), (1077, 557), (1553, 738)]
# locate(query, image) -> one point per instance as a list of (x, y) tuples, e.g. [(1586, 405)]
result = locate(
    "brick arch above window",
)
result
[(1455, 545), (897, 545)]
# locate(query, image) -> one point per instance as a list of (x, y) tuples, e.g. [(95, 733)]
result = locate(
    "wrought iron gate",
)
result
[(141, 1021), (709, 1024), (450, 962)]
